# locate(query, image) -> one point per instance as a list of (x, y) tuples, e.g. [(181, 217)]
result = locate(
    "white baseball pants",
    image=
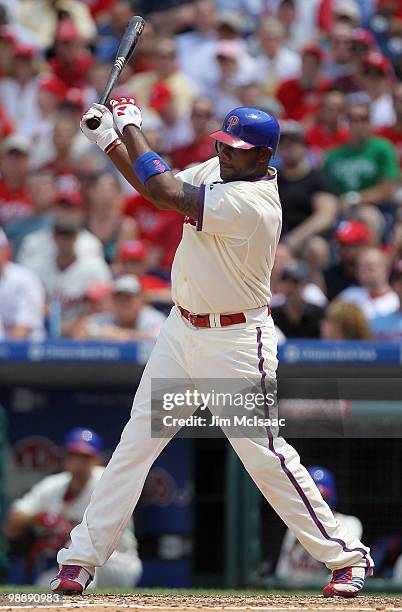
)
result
[(247, 350)]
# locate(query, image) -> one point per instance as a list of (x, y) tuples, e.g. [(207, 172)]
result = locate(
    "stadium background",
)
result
[(196, 61)]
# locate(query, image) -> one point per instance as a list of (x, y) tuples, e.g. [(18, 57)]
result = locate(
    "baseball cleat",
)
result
[(346, 582), (71, 580)]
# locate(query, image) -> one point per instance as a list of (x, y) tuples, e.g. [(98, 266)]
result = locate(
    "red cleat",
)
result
[(346, 582), (71, 580)]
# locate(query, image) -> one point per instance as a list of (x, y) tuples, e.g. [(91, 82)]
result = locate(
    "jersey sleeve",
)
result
[(34, 501), (228, 210)]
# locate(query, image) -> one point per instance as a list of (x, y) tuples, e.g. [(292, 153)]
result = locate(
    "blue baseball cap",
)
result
[(325, 482), (247, 127), (83, 441)]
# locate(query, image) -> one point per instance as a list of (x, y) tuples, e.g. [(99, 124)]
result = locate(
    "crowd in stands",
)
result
[(84, 256)]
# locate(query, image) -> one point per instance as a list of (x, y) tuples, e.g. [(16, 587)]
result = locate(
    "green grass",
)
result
[(383, 590)]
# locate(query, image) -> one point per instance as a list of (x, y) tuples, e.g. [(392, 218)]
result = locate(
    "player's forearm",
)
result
[(380, 194), (121, 160)]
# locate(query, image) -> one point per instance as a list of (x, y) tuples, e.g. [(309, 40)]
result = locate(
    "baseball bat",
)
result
[(127, 45)]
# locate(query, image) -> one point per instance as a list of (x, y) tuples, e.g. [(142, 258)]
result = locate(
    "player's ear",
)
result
[(265, 154)]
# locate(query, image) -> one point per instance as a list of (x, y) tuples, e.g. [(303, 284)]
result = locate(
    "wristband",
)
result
[(148, 165)]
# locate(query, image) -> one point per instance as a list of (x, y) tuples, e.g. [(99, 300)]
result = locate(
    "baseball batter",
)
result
[(220, 327)]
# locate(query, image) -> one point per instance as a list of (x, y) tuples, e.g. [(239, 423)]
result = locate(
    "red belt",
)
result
[(225, 320)]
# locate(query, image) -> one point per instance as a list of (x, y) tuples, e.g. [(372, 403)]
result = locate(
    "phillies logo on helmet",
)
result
[(232, 121)]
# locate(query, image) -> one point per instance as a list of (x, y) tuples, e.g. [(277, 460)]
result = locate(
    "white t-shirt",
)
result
[(149, 321), (223, 263), (371, 305), (22, 301), (296, 564), (47, 496), (39, 247)]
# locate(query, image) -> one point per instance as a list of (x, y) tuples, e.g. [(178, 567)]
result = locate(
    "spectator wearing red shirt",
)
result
[(14, 167), (202, 147), (301, 97), (161, 231), (71, 61), (330, 128), (394, 132)]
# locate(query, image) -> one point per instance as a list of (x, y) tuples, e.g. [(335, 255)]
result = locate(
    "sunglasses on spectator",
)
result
[(358, 118), (201, 115)]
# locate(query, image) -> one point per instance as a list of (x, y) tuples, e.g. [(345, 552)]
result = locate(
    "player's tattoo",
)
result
[(186, 200)]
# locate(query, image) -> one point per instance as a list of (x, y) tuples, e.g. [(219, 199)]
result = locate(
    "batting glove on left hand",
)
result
[(104, 135), (125, 112)]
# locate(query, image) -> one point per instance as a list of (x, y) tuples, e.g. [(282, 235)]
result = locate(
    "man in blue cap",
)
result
[(219, 328), (57, 503)]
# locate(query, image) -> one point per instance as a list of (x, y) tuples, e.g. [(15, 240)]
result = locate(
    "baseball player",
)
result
[(220, 327), (57, 503), (295, 564)]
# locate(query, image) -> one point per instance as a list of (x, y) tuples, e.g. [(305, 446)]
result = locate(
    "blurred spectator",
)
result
[(351, 238), (389, 327), (201, 147), (22, 299), (175, 128), (310, 206), (14, 168), (105, 219), (71, 61), (350, 81), (377, 79), (275, 61), (331, 12), (345, 321), (62, 152), (110, 30), (131, 259), (19, 91), (38, 249), (41, 189), (166, 69), (51, 92), (233, 68), (375, 296), (330, 128), (301, 97), (176, 15), (130, 318), (365, 169), (202, 37), (393, 132), (296, 318), (67, 275), (339, 60), (316, 253), (42, 519), (161, 231), (42, 18)]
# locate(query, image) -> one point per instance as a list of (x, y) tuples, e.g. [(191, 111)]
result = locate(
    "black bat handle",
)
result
[(95, 122)]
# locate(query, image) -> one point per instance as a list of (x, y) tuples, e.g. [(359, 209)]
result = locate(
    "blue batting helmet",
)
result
[(325, 482), (247, 127), (82, 440)]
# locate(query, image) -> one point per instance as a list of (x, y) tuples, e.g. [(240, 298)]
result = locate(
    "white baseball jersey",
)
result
[(215, 270), (371, 305), (48, 496)]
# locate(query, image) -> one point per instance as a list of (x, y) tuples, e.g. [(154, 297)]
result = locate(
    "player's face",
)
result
[(80, 465), (240, 164)]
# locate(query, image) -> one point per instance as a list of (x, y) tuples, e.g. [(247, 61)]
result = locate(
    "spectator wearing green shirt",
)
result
[(365, 170)]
